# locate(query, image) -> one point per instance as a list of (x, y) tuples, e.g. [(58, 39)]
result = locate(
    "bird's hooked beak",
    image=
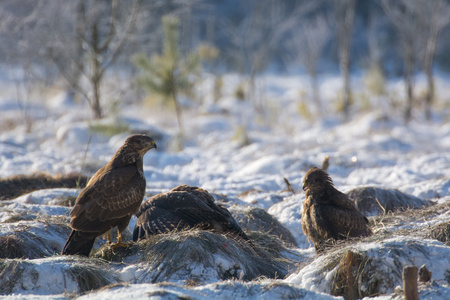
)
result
[(304, 186), (148, 146)]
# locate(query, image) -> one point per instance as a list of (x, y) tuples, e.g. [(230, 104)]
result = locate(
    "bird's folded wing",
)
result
[(186, 206), (345, 223), (111, 196)]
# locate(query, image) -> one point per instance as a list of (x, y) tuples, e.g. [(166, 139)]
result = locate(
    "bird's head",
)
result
[(316, 179), (140, 143)]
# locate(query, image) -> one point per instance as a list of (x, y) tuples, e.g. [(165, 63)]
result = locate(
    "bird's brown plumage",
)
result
[(328, 214), (111, 196), (181, 208)]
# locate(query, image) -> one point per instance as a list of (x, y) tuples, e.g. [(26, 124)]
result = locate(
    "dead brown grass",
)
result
[(347, 279), (10, 273), (441, 232), (15, 186), (89, 277), (22, 242), (12, 246)]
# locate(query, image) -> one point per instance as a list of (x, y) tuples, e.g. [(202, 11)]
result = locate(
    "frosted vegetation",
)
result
[(398, 175)]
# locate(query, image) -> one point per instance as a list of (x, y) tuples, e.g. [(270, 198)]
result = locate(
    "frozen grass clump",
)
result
[(258, 219), (200, 256), (372, 201), (441, 232), (89, 276), (32, 239)]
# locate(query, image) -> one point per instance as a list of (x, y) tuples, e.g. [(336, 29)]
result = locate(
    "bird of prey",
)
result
[(328, 214), (110, 198), (184, 207)]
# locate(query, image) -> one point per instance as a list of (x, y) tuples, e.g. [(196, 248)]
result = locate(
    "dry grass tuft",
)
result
[(348, 277), (40, 242), (109, 129), (259, 220), (376, 201), (10, 273), (15, 186), (12, 246), (241, 136), (401, 222), (441, 232), (25, 244), (89, 277)]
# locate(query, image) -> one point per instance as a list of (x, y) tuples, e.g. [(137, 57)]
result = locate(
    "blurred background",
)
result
[(110, 54)]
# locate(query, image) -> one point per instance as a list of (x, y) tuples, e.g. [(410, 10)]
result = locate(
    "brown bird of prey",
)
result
[(328, 214), (110, 198), (182, 208)]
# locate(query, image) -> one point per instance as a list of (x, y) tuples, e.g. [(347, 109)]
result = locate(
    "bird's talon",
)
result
[(120, 245)]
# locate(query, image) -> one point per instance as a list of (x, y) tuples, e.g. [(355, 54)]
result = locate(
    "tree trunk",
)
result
[(346, 17), (315, 88), (345, 69), (95, 101), (408, 73), (429, 58), (177, 108), (96, 75)]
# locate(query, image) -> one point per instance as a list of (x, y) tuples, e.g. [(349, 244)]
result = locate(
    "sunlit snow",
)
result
[(372, 149)]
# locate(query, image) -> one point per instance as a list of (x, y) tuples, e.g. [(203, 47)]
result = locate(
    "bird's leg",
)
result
[(119, 242), (109, 237)]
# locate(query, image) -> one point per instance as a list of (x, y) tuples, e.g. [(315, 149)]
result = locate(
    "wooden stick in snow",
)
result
[(410, 283)]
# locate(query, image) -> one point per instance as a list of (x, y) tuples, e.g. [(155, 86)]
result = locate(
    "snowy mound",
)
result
[(202, 256), (55, 275), (373, 267)]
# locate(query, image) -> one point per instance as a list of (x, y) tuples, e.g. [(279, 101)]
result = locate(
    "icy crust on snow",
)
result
[(16, 209), (50, 197), (264, 289)]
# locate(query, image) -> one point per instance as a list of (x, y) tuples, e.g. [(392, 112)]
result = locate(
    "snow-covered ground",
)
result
[(240, 149)]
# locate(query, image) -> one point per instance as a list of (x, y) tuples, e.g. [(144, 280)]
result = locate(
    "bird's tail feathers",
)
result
[(78, 243)]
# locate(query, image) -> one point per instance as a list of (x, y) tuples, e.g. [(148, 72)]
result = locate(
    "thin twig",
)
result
[(84, 160), (289, 187)]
